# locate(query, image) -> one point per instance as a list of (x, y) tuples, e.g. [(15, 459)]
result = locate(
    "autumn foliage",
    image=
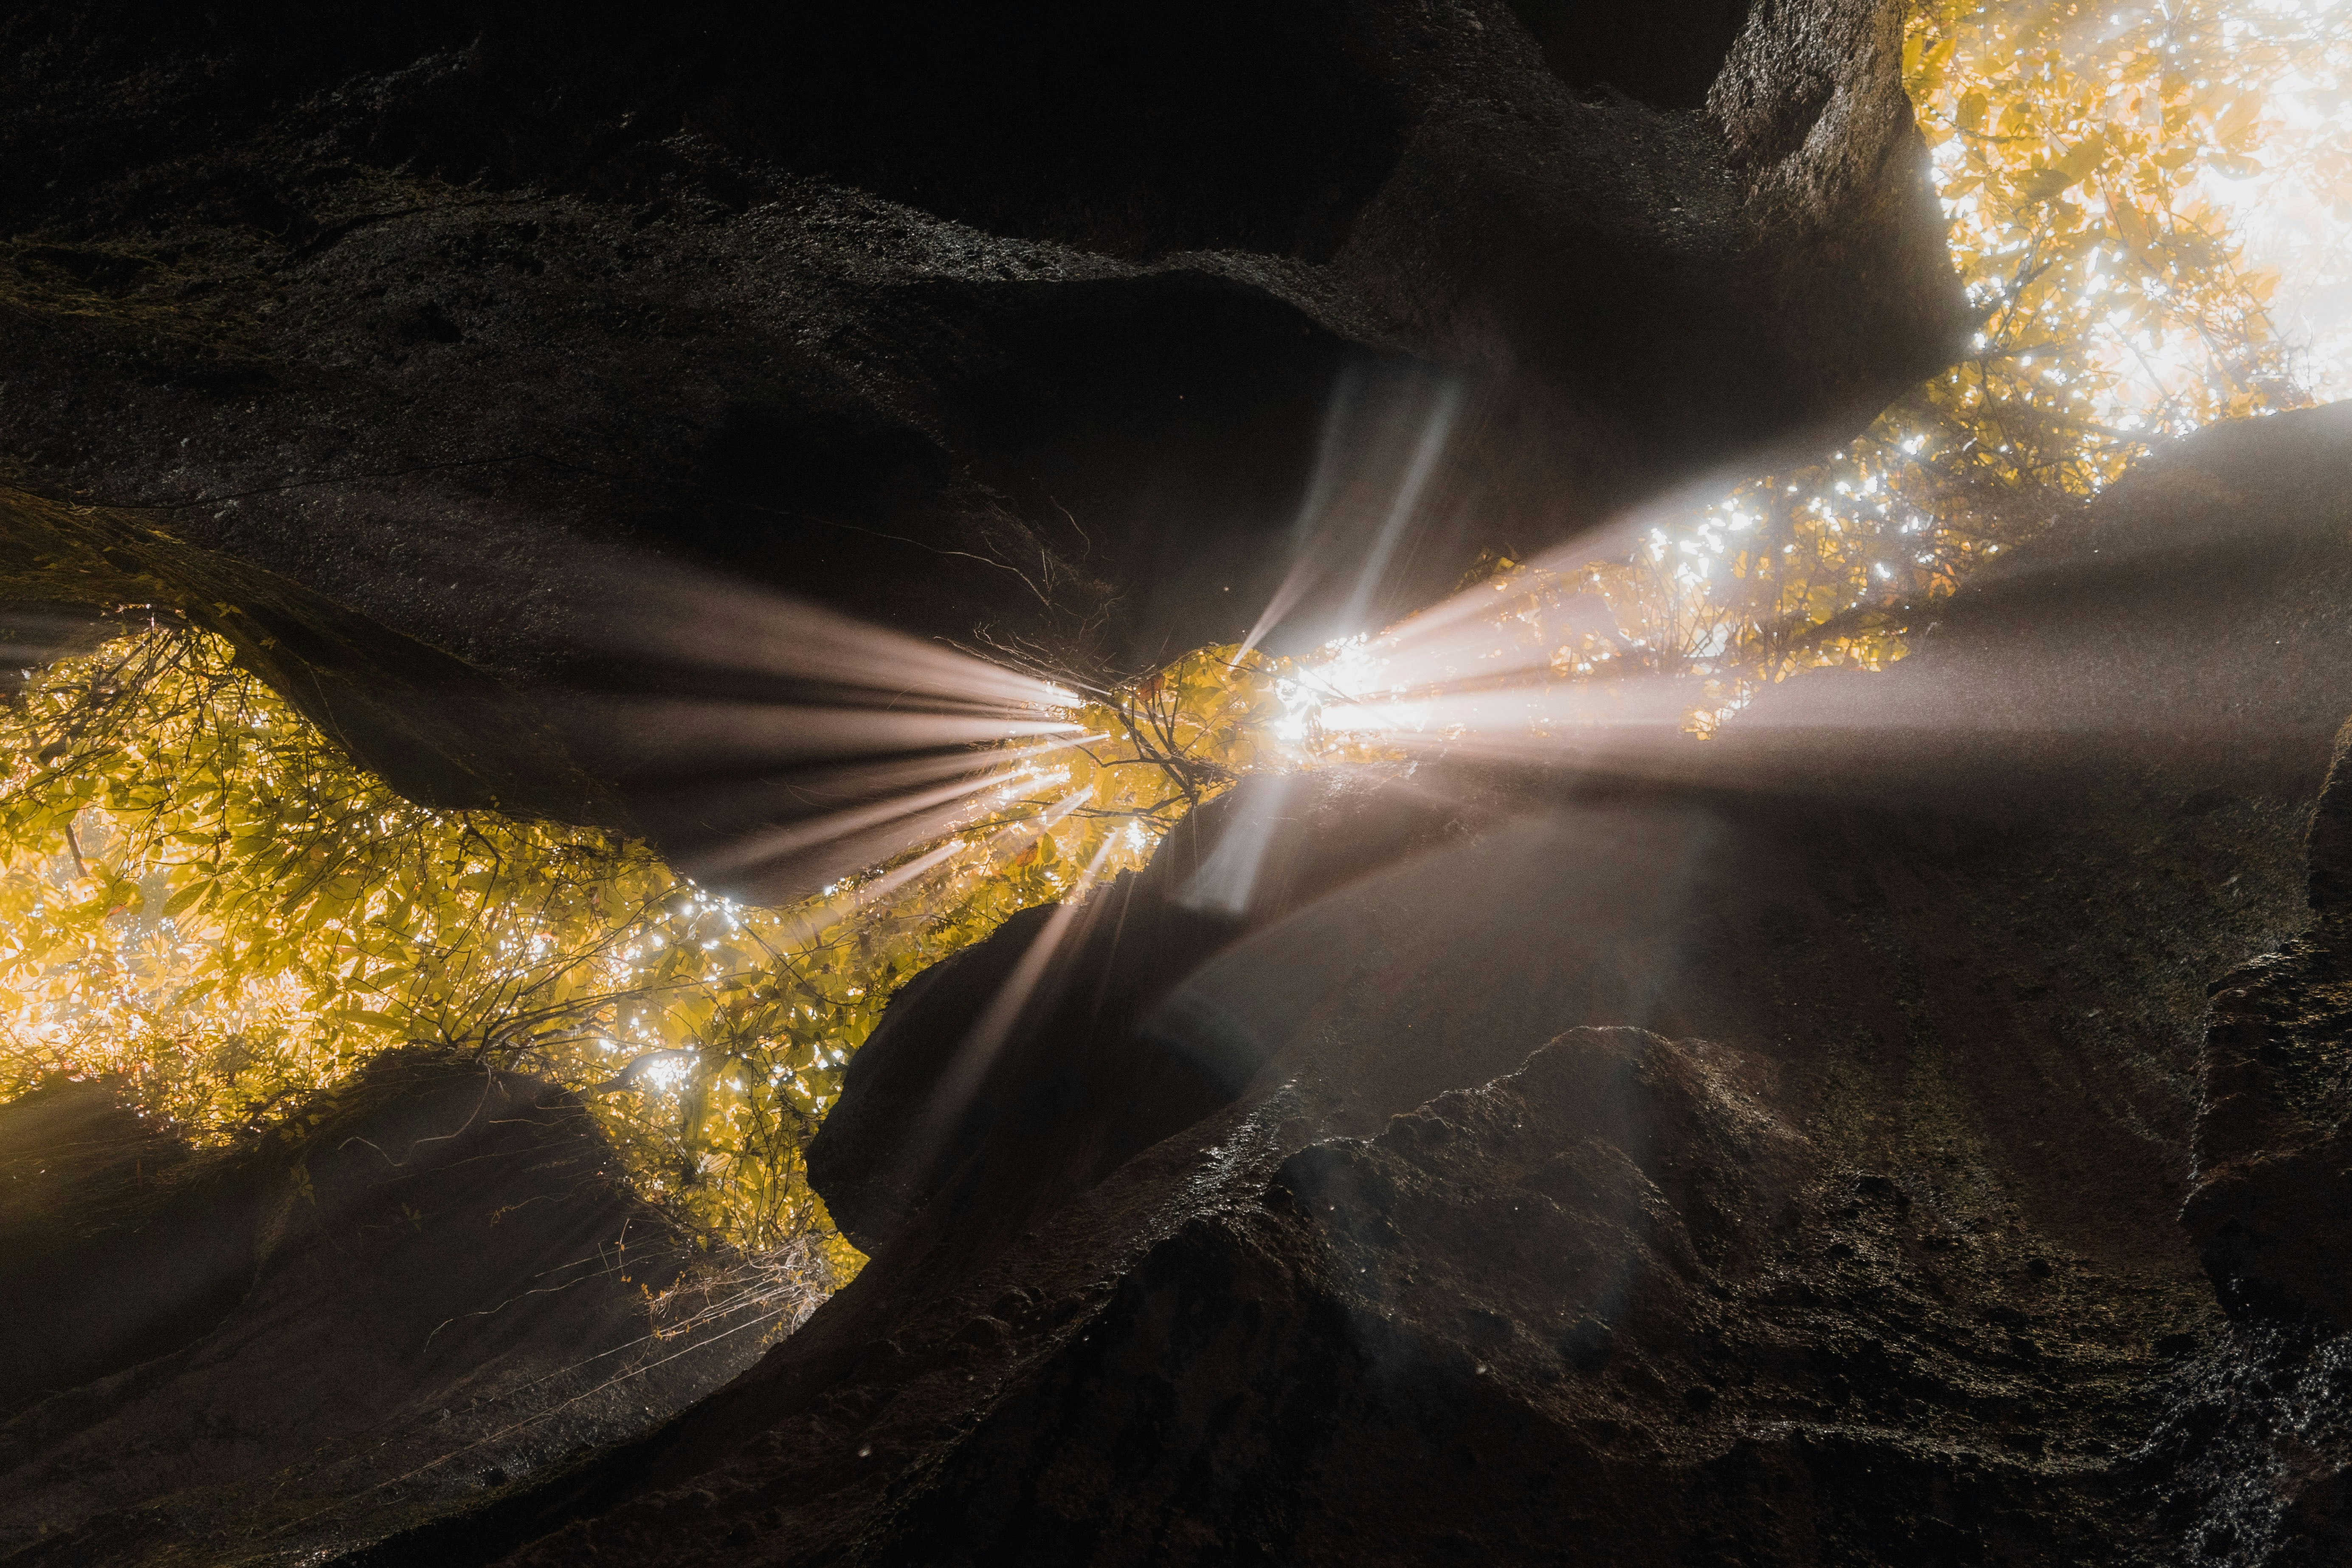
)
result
[(2100, 165), (205, 900)]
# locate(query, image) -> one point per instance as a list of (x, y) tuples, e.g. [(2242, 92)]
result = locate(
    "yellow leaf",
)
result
[(2130, 222), (2238, 119), (2082, 159)]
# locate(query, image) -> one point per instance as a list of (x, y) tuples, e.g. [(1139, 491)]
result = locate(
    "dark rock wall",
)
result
[(1011, 324), (425, 1287), (437, 729), (1773, 1151), (91, 1296), (2252, 1464), (1534, 1322)]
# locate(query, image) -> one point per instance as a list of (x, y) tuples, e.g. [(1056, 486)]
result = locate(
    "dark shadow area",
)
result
[(420, 1289), (995, 320), (1784, 1138), (1664, 54), (425, 1285), (119, 1248), (1134, 131)]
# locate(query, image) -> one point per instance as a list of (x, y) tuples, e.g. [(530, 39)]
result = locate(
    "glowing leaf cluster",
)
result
[(205, 899), (2097, 162)]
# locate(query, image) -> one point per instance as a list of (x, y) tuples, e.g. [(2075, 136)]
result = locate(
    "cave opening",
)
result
[(966, 783)]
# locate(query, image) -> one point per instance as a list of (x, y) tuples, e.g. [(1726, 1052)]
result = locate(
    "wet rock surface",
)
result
[(1670, 1163), (427, 1289), (1025, 1069), (2252, 1463), (1808, 1149), (1018, 326)]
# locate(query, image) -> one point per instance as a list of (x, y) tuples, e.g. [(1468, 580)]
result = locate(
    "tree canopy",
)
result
[(2131, 187), (205, 900)]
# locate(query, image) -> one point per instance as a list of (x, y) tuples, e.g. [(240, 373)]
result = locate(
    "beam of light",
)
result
[(699, 732), (867, 894), (1359, 502), (1463, 676), (706, 622), (780, 843), (995, 1022), (813, 922), (957, 1086), (1016, 837), (960, 1084), (888, 820), (1541, 712), (1435, 431), (2097, 666), (1227, 879), (777, 745), (1322, 483), (757, 799), (1461, 636), (838, 903)]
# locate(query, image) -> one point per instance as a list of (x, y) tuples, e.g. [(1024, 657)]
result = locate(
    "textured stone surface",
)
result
[(1009, 324), (420, 1293), (2249, 1464), (977, 1115), (1849, 1202)]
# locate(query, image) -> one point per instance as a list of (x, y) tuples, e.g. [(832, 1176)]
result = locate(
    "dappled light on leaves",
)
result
[(2152, 213), (203, 899), (2100, 165), (205, 902)]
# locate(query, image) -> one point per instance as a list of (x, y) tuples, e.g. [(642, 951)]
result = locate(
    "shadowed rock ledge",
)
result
[(1809, 1148), (1676, 1160), (428, 1283), (1019, 326)]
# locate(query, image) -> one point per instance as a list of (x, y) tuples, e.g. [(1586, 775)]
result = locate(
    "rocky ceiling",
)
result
[(1020, 327)]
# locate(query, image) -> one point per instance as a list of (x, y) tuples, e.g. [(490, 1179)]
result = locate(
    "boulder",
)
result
[(426, 1287), (1020, 1071), (94, 1294), (2249, 1461), (2274, 1160)]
